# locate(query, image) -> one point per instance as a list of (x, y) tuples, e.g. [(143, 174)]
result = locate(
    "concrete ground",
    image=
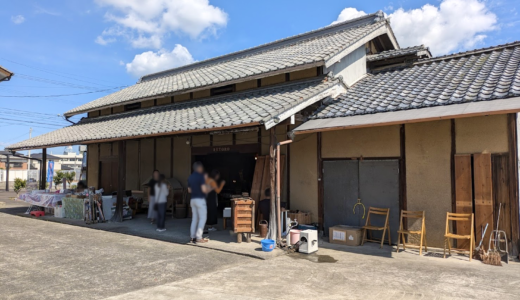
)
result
[(177, 231), (48, 260)]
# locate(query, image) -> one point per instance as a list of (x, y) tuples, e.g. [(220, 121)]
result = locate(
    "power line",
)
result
[(63, 95), (33, 122), (52, 81), (55, 72)]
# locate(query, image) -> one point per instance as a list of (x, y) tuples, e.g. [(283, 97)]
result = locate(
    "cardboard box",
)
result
[(345, 235)]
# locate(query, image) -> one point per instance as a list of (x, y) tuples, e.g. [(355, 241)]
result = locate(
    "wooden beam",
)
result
[(288, 170), (272, 184), (513, 181), (452, 170), (121, 177), (320, 182), (403, 204)]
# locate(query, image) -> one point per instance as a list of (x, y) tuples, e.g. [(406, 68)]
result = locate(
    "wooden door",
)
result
[(501, 195), (108, 177), (483, 183), (463, 195)]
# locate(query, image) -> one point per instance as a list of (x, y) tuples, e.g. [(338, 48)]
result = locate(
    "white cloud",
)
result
[(19, 19), (151, 62), (348, 14), (40, 10), (104, 41), (146, 22), (455, 25)]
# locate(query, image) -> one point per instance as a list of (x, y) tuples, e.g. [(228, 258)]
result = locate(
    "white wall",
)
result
[(351, 67)]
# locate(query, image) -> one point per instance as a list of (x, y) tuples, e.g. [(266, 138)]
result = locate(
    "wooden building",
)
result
[(393, 127)]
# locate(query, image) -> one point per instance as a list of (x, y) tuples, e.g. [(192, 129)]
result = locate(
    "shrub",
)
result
[(19, 184)]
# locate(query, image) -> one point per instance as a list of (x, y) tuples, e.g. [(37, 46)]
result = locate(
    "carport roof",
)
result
[(267, 106)]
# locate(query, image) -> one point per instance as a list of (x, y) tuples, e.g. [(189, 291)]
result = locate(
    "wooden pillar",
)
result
[(513, 181), (272, 234), (403, 203), (320, 183), (121, 177), (7, 172), (43, 170)]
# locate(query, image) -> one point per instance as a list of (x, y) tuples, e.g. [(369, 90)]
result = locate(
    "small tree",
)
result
[(58, 178), (70, 176), (19, 184)]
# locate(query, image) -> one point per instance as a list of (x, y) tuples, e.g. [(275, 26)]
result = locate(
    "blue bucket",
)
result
[(267, 245)]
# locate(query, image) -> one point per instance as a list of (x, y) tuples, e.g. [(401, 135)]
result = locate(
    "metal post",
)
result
[(43, 170), (7, 173)]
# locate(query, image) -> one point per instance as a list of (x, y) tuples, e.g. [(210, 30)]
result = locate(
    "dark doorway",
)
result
[(374, 182), (235, 168)]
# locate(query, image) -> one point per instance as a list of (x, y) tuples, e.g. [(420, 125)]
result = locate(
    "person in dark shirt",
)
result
[(265, 205), (198, 189), (152, 213)]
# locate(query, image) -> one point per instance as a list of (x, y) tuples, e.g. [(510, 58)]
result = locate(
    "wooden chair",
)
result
[(448, 235), (401, 232), (369, 226)]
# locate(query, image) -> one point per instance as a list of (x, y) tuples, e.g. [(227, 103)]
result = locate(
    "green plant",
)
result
[(19, 184), (70, 176), (58, 178), (73, 187)]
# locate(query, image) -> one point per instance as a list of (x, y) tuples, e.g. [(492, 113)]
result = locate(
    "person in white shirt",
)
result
[(161, 198)]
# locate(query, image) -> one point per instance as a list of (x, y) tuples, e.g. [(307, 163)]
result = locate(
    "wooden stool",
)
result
[(401, 232), (448, 235), (385, 228)]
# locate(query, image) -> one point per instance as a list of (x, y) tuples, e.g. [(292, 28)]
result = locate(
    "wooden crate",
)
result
[(243, 210), (304, 218)]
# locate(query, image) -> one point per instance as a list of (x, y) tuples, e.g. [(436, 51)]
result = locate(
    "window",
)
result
[(132, 106)]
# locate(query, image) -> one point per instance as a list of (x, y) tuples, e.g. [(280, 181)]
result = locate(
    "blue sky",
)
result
[(76, 47)]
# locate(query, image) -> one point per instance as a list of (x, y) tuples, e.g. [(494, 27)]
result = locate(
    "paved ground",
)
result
[(177, 231), (47, 260)]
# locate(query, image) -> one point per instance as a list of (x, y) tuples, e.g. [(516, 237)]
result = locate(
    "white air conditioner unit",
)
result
[(308, 241)]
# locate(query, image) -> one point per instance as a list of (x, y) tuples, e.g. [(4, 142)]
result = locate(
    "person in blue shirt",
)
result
[(198, 189)]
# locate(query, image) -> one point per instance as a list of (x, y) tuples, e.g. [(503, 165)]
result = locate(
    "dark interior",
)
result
[(236, 169)]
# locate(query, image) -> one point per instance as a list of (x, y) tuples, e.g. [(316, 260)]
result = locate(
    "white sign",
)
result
[(338, 235)]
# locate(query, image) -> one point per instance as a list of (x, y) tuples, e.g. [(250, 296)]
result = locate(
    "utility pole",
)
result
[(29, 160)]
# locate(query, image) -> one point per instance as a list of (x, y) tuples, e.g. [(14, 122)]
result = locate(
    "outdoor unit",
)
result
[(308, 241)]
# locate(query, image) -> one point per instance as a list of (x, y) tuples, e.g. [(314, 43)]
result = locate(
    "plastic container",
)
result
[(295, 236), (267, 245)]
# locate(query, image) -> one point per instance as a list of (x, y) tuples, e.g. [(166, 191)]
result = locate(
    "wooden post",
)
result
[(121, 177), (43, 170), (320, 183), (403, 204), (272, 234), (513, 181), (452, 173)]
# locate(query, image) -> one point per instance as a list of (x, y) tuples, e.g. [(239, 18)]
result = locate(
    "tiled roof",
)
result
[(478, 75), (305, 50), (417, 50), (234, 110), (5, 74)]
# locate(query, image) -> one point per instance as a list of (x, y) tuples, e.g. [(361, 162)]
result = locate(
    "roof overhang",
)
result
[(464, 110)]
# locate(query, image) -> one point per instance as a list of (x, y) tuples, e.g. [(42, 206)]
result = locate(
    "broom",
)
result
[(493, 256), (479, 252)]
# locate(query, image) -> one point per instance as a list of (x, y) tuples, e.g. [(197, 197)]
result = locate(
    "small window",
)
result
[(223, 90), (133, 106)]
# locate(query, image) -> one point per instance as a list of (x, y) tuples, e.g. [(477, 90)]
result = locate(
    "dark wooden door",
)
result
[(108, 177)]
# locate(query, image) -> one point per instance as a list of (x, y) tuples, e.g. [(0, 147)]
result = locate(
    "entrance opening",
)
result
[(236, 169)]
